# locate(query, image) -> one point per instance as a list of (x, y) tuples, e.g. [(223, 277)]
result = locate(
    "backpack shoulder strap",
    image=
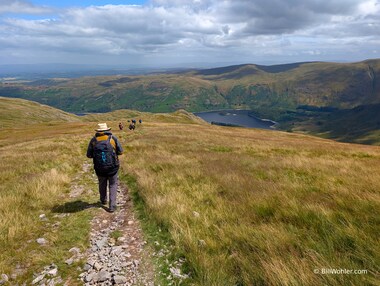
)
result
[(114, 144)]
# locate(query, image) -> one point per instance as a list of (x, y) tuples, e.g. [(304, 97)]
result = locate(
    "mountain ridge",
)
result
[(275, 92)]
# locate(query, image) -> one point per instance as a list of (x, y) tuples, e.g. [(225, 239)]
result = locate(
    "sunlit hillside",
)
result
[(123, 115), (19, 112), (253, 207), (243, 206)]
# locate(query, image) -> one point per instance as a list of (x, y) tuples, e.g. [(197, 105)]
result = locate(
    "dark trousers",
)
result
[(112, 180)]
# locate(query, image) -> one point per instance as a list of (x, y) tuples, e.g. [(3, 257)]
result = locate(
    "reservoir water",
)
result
[(243, 118)]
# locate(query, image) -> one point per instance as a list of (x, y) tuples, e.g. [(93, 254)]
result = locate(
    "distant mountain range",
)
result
[(33, 71), (315, 97)]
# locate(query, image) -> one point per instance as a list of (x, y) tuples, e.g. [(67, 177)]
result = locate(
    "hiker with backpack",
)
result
[(132, 126), (104, 149)]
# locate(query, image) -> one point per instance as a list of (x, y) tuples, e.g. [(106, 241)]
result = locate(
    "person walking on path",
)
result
[(132, 126), (104, 149)]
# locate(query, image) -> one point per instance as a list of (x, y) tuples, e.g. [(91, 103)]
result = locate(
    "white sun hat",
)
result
[(102, 127)]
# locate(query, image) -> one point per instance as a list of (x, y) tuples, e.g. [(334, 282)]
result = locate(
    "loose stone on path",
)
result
[(117, 254), (122, 260)]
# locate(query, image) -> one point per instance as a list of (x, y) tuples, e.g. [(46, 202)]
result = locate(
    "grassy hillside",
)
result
[(42, 164), (157, 93), (359, 125), (179, 116), (252, 207), (243, 206), (39, 166), (18, 113), (266, 89)]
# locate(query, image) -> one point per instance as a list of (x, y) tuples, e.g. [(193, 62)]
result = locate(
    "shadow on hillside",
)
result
[(73, 207)]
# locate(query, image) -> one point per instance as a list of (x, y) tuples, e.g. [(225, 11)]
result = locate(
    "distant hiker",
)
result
[(121, 126), (134, 121), (104, 148), (140, 121), (132, 126)]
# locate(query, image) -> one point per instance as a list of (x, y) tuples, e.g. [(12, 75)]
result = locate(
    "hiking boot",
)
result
[(112, 209), (103, 202)]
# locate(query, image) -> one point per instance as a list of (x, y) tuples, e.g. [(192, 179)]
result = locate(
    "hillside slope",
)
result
[(241, 206), (19, 112), (257, 207), (359, 125), (122, 115)]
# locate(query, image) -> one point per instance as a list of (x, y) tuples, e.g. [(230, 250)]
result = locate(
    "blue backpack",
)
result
[(106, 162)]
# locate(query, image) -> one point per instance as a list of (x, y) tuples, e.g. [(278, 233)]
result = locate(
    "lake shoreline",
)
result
[(236, 118)]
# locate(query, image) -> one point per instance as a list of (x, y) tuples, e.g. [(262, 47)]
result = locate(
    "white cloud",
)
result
[(173, 30), (371, 7)]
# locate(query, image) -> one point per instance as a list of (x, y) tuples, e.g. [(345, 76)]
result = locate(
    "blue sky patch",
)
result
[(85, 3)]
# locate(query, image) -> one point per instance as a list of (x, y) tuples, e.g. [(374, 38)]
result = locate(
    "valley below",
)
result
[(331, 100)]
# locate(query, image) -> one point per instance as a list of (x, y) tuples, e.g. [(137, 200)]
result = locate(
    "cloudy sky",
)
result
[(165, 33)]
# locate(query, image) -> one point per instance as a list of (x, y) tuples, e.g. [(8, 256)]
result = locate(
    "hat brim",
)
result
[(100, 130)]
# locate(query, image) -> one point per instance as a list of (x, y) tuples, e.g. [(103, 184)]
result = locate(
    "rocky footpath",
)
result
[(117, 255)]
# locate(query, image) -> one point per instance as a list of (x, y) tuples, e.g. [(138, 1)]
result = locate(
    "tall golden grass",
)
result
[(38, 165), (244, 206), (16, 113), (274, 208)]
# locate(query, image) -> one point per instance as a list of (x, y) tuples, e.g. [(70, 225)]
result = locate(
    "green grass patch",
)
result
[(116, 234), (157, 234)]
